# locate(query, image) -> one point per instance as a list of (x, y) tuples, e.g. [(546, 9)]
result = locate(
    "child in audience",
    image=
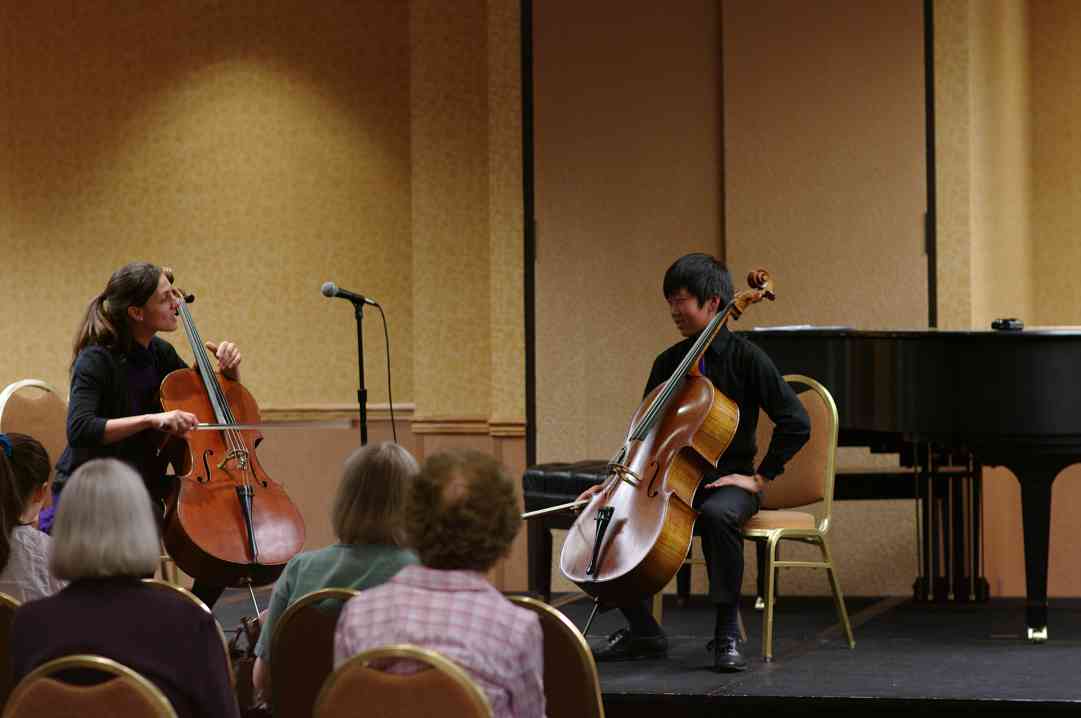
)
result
[(24, 488)]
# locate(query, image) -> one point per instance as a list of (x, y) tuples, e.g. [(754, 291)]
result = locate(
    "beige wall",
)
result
[(983, 118), (824, 159), (261, 148), (627, 123), (258, 148)]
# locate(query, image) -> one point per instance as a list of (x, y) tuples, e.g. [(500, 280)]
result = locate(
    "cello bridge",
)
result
[(624, 473), (241, 457)]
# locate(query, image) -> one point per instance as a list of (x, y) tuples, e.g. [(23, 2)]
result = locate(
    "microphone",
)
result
[(331, 290)]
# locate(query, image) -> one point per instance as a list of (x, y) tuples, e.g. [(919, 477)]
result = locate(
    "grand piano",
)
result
[(1007, 398), (947, 402)]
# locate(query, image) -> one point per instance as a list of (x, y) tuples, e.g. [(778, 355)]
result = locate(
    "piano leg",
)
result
[(1036, 482)]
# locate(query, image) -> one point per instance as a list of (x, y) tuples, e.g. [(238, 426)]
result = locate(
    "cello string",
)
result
[(210, 382)]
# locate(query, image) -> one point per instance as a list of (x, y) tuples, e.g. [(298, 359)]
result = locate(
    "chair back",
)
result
[(34, 408), (302, 651), (572, 688), (185, 594), (8, 604), (123, 693), (808, 476), (441, 688)]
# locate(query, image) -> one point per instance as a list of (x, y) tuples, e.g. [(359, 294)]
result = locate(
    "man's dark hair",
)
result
[(702, 276)]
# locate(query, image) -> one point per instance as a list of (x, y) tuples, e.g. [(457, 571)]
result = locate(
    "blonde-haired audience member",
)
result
[(461, 516), (104, 540), (367, 519), (24, 488)]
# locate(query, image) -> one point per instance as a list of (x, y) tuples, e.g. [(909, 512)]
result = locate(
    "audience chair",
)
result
[(808, 479), (571, 686), (123, 693), (34, 408), (195, 600), (302, 651), (8, 604), (443, 689)]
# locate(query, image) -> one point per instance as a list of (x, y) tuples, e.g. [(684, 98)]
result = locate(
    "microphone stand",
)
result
[(362, 392)]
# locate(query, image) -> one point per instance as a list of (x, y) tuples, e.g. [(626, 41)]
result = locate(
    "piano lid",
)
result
[(959, 387)]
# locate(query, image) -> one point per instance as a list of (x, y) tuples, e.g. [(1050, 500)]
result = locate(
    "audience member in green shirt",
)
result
[(367, 518)]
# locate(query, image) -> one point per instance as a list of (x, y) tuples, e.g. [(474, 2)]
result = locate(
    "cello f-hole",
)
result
[(206, 466), (652, 489)]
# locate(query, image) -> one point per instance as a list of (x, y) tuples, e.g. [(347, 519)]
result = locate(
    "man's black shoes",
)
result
[(727, 657), (626, 646)]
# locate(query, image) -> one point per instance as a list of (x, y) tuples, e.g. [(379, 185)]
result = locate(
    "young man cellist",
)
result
[(697, 287)]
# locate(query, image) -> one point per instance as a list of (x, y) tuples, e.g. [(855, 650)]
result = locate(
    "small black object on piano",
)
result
[(1011, 324)]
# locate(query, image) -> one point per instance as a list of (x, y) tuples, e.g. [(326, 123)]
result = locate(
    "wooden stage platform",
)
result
[(909, 658)]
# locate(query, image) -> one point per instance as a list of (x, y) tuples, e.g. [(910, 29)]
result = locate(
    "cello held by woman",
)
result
[(689, 455), (227, 522)]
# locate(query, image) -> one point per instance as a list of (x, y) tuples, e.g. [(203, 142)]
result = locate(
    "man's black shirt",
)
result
[(742, 372)]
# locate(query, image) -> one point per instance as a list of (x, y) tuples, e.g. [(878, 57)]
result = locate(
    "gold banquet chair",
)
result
[(126, 693), (302, 650), (34, 408), (441, 689), (8, 604), (572, 688), (808, 479)]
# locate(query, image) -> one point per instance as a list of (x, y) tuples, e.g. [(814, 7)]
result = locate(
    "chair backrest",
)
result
[(302, 650), (8, 604), (123, 693), (808, 476), (441, 688), (187, 595), (33, 407), (572, 688)]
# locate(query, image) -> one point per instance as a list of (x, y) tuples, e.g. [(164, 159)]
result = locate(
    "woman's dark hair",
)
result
[(702, 276), (26, 469), (106, 320)]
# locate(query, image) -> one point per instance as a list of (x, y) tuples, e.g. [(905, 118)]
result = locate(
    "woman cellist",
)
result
[(117, 368), (697, 287)]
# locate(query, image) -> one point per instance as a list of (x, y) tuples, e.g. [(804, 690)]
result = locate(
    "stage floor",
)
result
[(908, 657)]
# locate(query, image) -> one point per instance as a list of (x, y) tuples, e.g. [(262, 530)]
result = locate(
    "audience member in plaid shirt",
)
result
[(461, 516)]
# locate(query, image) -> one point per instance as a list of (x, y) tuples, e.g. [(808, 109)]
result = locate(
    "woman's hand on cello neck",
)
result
[(228, 357)]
